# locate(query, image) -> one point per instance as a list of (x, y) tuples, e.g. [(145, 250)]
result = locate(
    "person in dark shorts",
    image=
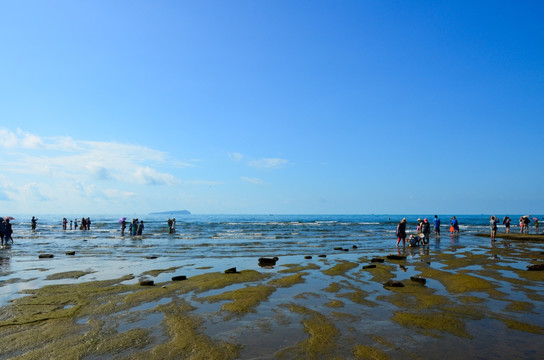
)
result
[(506, 223), (401, 232), (436, 223)]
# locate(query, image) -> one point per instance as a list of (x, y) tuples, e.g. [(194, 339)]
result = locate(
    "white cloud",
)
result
[(255, 181), (34, 192), (235, 156), (73, 174), (99, 171), (268, 163), (20, 139), (65, 158), (149, 176)]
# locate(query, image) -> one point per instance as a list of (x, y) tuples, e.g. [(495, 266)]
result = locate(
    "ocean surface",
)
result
[(214, 242), (479, 294)]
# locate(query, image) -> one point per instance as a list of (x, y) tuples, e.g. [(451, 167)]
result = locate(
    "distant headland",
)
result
[(173, 212)]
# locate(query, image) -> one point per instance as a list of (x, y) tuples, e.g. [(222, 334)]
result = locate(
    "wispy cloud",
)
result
[(255, 181), (64, 157), (236, 156), (37, 169), (149, 176), (268, 163), (20, 139)]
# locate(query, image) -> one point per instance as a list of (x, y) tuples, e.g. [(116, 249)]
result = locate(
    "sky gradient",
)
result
[(257, 107)]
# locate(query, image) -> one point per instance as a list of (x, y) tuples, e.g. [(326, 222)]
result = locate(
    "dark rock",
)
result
[(322, 256), (354, 247), (372, 266), (418, 279), (396, 257), (147, 282), (393, 283), (345, 249), (308, 257), (231, 271), (45, 256), (378, 260), (268, 261), (535, 267), (151, 257), (338, 248), (70, 253), (179, 278)]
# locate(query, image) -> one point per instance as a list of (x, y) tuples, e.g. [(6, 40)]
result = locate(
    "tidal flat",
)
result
[(479, 298)]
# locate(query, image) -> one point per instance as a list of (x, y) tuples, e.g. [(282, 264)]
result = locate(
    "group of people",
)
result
[(524, 223), (423, 232), (136, 227), (84, 224), (5, 231)]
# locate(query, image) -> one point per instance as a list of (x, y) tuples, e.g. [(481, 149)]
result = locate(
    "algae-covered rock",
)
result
[(293, 268), (244, 299), (287, 281), (340, 269), (460, 283), (359, 296), (369, 352), (334, 304), (186, 341), (323, 335), (68, 275), (432, 323)]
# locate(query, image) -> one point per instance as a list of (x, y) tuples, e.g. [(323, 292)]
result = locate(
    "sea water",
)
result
[(213, 242)]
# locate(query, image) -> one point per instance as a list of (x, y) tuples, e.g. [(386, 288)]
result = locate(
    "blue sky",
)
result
[(257, 107)]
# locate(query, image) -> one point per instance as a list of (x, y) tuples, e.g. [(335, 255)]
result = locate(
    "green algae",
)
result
[(322, 336), (44, 324), (186, 342), (532, 276), (288, 281), (333, 287), (461, 283), (359, 297), (520, 307), (432, 323), (199, 283), (415, 297), (381, 273), (293, 268), (515, 236), (335, 304), (210, 281), (381, 340), (63, 343), (369, 352), (306, 295), (340, 269), (61, 301), (522, 326), (68, 275), (155, 273), (471, 300), (244, 299)]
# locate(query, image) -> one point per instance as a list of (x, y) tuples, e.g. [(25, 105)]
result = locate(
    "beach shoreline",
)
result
[(353, 302)]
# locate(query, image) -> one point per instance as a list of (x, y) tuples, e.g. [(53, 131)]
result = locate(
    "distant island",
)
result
[(174, 212)]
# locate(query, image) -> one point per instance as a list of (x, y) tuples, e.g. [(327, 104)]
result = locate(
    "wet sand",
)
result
[(481, 299)]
